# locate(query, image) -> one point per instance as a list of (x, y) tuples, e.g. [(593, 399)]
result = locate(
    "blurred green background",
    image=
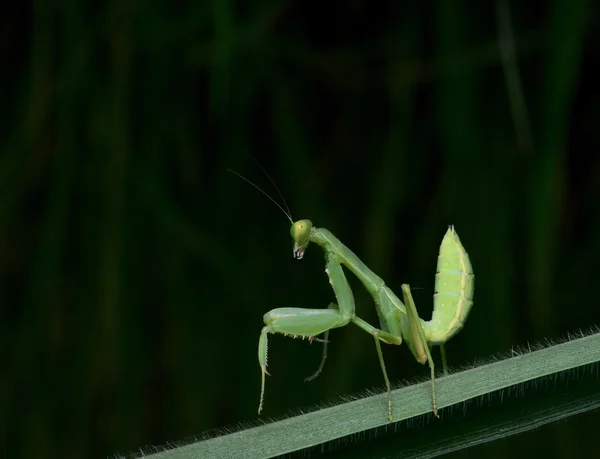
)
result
[(135, 269)]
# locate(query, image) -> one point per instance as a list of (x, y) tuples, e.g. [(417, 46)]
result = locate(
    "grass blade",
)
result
[(542, 403)]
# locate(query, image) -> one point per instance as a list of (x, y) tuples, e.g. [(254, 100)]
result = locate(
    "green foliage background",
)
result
[(135, 270)]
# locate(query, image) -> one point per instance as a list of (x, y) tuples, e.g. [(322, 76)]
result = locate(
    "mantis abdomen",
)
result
[(453, 297)]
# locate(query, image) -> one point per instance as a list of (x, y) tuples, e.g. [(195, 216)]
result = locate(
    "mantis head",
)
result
[(300, 232)]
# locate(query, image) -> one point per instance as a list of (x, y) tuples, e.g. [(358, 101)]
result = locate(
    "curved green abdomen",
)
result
[(453, 297)]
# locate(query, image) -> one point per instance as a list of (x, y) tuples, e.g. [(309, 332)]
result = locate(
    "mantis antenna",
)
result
[(285, 211)]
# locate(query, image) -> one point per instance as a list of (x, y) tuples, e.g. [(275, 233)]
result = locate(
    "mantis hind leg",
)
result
[(444, 361), (418, 344)]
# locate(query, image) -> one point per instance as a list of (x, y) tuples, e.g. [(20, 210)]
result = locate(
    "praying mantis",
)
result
[(399, 322)]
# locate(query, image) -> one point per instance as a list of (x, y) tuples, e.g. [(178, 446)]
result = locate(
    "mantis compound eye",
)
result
[(300, 232)]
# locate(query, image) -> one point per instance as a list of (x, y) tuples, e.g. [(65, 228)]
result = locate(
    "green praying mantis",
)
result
[(452, 301)]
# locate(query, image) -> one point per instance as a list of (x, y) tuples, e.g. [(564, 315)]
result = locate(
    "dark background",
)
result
[(135, 269)]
